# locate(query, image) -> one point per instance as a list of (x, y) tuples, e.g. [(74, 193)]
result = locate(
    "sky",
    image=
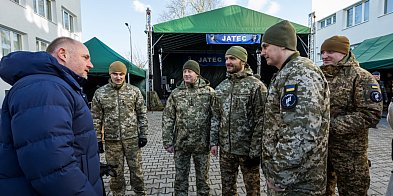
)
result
[(106, 19), (323, 9)]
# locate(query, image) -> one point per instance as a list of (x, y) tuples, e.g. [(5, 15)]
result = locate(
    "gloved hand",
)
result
[(252, 162), (142, 142), (108, 170), (100, 147)]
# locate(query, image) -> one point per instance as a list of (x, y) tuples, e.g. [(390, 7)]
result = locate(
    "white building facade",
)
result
[(357, 19), (32, 24)]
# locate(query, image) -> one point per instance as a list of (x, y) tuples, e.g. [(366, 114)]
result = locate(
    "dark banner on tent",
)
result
[(208, 59), (233, 38)]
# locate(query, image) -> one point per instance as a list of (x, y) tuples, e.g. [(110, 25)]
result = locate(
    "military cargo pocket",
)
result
[(204, 99), (108, 104), (130, 105), (240, 100)]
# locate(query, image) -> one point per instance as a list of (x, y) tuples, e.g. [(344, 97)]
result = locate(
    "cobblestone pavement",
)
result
[(159, 171)]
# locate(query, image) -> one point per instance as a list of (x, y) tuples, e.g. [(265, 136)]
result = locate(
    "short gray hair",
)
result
[(59, 42)]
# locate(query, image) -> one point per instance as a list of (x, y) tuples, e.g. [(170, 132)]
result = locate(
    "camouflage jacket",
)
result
[(295, 136), (238, 114), (186, 117), (120, 112), (356, 104)]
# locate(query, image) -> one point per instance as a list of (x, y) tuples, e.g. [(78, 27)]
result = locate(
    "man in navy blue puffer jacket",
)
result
[(48, 145)]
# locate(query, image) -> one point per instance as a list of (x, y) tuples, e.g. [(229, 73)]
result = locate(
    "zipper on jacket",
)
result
[(118, 110), (230, 112)]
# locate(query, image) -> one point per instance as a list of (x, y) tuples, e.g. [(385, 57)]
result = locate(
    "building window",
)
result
[(9, 41), (388, 6), (43, 8), (68, 21), (5, 42), (366, 10), (17, 41), (327, 21), (41, 45), (358, 14)]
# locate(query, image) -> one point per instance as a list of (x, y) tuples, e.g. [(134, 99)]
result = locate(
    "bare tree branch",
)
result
[(139, 59), (181, 8)]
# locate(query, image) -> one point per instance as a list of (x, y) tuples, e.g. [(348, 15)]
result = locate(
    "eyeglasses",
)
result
[(264, 45)]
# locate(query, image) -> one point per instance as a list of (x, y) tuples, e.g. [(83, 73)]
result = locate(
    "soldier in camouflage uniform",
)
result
[(295, 136), (377, 76), (237, 124), (356, 105), (119, 116), (186, 128)]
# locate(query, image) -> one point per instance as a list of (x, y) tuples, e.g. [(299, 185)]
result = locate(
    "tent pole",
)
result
[(150, 50), (160, 60)]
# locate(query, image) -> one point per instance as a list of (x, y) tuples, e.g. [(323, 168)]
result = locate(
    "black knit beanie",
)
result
[(281, 34), (192, 65)]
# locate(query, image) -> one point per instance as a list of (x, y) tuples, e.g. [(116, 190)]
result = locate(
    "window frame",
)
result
[(44, 10), (388, 7), (68, 20), (14, 41), (328, 21), (357, 14), (39, 43)]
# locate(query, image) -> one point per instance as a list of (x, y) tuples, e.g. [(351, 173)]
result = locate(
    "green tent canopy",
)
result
[(375, 53), (185, 38), (102, 56), (230, 19)]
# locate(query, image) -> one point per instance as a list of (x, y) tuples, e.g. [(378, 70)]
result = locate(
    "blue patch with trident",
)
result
[(289, 100), (375, 96)]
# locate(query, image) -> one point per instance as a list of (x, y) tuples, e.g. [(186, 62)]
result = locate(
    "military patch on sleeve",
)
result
[(290, 88), (375, 96), (374, 86), (289, 101)]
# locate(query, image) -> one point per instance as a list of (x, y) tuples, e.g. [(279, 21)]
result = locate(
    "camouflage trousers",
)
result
[(349, 170), (229, 167), (271, 192), (182, 165), (115, 151)]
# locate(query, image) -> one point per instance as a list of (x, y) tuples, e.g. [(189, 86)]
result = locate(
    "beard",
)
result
[(234, 68)]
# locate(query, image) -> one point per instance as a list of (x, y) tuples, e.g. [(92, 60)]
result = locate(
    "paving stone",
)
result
[(159, 168)]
